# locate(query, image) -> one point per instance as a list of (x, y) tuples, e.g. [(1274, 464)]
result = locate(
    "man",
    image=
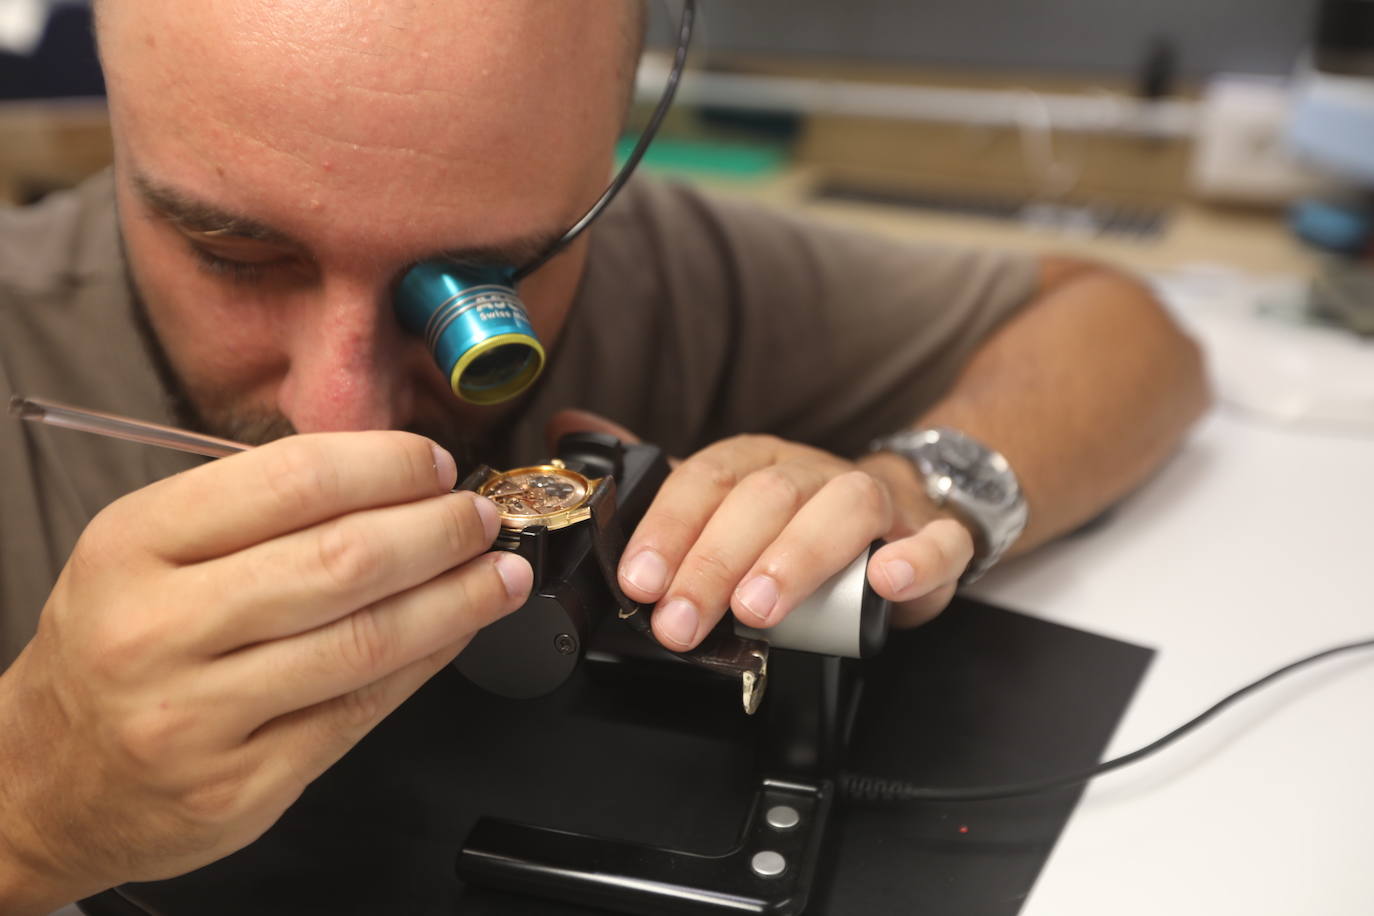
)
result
[(217, 639)]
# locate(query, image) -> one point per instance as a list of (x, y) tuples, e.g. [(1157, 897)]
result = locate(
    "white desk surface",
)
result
[(1249, 550)]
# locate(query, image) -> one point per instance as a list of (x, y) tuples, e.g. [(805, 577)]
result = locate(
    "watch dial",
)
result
[(528, 494), (962, 460)]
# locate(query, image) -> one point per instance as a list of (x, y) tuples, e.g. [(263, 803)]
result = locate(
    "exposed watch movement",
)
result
[(551, 495)]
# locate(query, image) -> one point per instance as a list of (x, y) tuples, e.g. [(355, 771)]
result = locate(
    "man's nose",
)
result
[(347, 364)]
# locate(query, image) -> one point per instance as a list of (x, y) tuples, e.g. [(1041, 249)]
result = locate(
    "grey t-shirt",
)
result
[(696, 319)]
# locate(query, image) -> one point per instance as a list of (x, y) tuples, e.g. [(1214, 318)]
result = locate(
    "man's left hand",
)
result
[(755, 524)]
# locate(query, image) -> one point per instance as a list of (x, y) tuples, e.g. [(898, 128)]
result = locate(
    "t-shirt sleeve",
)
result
[(699, 318), (841, 336)]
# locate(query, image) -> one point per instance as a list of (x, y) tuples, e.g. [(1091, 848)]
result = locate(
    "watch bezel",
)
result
[(561, 518)]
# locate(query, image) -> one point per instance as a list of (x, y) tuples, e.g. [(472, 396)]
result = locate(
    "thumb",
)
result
[(582, 421)]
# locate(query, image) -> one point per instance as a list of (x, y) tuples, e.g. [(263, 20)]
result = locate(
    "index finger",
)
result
[(282, 487)]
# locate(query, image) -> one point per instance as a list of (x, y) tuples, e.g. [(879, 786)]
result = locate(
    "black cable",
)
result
[(684, 38), (858, 787)]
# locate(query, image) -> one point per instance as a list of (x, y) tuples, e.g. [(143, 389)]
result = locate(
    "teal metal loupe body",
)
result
[(474, 325), (472, 319)]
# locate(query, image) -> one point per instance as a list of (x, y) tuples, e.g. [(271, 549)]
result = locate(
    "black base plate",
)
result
[(981, 695)]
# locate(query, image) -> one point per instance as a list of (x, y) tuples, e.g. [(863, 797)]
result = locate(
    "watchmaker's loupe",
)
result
[(472, 319), (474, 325)]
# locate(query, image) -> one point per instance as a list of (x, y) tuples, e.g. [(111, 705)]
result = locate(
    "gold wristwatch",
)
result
[(551, 495)]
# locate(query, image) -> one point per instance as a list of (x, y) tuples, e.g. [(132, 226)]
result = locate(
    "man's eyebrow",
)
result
[(194, 215), (199, 216)]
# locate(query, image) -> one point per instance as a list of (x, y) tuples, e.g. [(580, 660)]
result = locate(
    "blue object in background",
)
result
[(1345, 228)]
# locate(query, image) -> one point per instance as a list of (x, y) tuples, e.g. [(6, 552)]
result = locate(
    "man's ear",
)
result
[(582, 421)]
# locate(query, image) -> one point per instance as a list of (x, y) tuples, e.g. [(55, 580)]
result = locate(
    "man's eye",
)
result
[(236, 271)]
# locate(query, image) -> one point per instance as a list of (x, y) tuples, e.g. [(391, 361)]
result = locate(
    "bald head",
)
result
[(455, 85), (337, 142)]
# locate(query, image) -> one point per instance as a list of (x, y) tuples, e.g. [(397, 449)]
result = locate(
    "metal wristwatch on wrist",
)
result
[(972, 482)]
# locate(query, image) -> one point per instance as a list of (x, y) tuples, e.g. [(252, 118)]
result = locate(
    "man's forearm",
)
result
[(1085, 391)]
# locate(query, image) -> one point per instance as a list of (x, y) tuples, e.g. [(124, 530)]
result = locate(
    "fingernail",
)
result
[(491, 517), (758, 596), (444, 467), (647, 572), (516, 574), (899, 574), (677, 622)]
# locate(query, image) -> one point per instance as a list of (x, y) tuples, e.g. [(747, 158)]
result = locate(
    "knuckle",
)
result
[(944, 561), (357, 711), (414, 453), (942, 554), (348, 557), (446, 654), (462, 530), (100, 534), (297, 475), (777, 488), (665, 530), (959, 546), (711, 472), (122, 648), (867, 494), (962, 540), (353, 714), (753, 449), (214, 801), (105, 542), (211, 804), (708, 570), (756, 442), (923, 553), (791, 563), (364, 643), (477, 594), (148, 738)]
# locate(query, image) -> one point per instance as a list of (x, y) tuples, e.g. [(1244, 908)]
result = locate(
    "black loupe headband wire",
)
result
[(684, 39)]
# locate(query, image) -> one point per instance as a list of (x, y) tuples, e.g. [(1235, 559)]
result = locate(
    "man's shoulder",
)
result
[(665, 240), (68, 237), (690, 215)]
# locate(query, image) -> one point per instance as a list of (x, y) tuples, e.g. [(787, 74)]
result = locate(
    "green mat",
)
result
[(726, 159)]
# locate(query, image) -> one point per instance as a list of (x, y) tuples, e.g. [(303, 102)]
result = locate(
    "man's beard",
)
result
[(256, 427)]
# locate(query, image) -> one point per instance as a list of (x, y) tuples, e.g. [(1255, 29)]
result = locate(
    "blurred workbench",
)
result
[(1251, 240), (46, 145), (1018, 140)]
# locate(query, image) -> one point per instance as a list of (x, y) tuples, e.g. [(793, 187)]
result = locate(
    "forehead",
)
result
[(443, 116)]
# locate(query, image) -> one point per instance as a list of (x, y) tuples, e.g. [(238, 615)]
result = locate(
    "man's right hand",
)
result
[(218, 639)]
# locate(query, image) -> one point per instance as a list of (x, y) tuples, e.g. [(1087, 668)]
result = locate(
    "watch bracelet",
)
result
[(907, 444)]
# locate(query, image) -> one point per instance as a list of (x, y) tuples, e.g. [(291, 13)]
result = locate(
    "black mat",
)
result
[(981, 695)]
